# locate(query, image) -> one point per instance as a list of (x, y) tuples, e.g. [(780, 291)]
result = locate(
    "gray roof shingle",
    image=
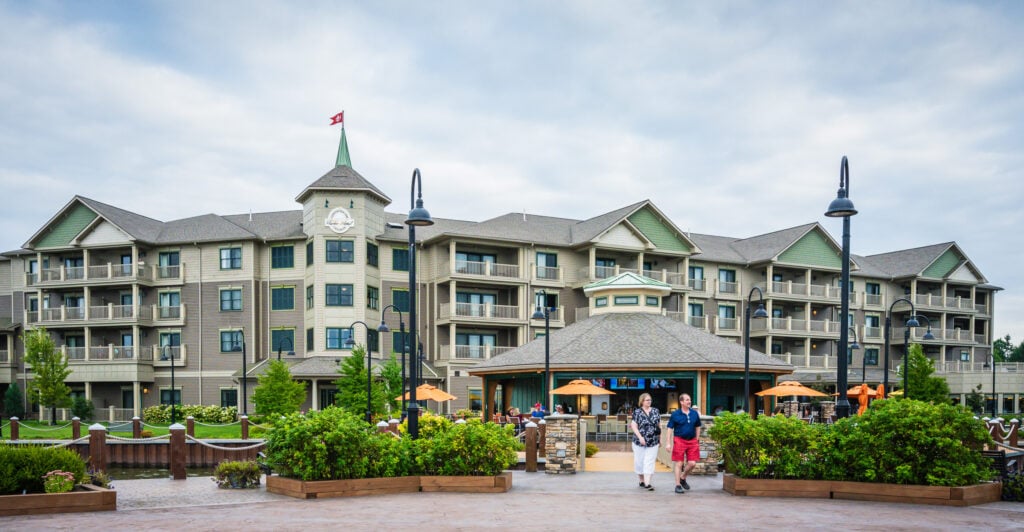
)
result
[(343, 177)]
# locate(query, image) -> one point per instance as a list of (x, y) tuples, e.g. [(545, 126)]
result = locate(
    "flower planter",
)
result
[(84, 498), (864, 491), (319, 489)]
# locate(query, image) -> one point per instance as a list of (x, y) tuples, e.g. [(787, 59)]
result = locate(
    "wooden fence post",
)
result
[(14, 428), (98, 447), (245, 426), (530, 440), (393, 426), (543, 434), (136, 427), (190, 426), (76, 428), (177, 451)]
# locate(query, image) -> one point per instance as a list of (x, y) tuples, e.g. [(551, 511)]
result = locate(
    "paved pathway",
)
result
[(537, 501)]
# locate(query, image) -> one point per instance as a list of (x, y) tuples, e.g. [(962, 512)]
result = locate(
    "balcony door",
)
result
[(478, 344), (472, 303)]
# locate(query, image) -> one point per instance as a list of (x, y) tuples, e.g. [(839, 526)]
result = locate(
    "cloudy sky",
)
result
[(731, 116)]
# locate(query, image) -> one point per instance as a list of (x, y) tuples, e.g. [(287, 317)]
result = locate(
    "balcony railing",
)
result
[(941, 335), (108, 312), (472, 352), (873, 300), (480, 310), (728, 288), (700, 322), (100, 272), (487, 269), (699, 286), (5, 357), (936, 301), (727, 325), (798, 325), (872, 333), (102, 353), (549, 273), (555, 314), (803, 291)]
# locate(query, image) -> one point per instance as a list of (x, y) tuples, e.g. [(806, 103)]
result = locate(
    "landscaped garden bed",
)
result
[(897, 451), (333, 453), (84, 498), (43, 480)]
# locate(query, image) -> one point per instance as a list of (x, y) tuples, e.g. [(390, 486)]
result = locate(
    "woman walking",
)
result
[(646, 426)]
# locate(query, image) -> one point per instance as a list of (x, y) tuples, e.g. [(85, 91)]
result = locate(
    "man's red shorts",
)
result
[(685, 450)]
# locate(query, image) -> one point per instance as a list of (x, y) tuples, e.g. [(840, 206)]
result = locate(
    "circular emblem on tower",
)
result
[(339, 220)]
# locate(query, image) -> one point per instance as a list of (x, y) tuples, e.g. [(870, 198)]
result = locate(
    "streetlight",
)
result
[(401, 327), (545, 313), (236, 348), (911, 322), (369, 374), (418, 217), (906, 346), (759, 313), (842, 207), (863, 360), (291, 347), (165, 357)]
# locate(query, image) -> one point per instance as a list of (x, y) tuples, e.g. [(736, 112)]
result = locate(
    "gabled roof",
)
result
[(908, 262), (136, 226), (768, 246), (204, 228), (627, 280), (629, 341), (588, 230), (343, 178)]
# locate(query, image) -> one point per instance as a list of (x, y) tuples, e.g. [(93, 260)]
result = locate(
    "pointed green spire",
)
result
[(343, 157)]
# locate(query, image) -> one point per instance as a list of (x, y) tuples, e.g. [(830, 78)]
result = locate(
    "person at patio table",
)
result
[(646, 427), (685, 442), (537, 411)]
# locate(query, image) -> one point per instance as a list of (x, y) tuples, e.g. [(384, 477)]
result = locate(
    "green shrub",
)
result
[(161, 414), (82, 408), (22, 467), (237, 474), (1013, 487), (334, 444), (592, 449), (897, 442)]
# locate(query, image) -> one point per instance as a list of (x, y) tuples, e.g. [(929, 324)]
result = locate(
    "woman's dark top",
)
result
[(649, 426)]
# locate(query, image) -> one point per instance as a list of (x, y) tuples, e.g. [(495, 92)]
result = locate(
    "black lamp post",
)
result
[(401, 327), (906, 345), (418, 217), (842, 207), (759, 313), (863, 360), (168, 354), (544, 312), (992, 361), (280, 344), (911, 322), (369, 374), (236, 348)]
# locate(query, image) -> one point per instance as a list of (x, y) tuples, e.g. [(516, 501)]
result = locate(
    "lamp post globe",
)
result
[(842, 207)]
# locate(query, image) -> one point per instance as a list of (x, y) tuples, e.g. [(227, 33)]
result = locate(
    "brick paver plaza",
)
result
[(586, 501)]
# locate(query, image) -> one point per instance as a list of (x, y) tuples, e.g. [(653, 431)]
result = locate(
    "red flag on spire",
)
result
[(338, 119)]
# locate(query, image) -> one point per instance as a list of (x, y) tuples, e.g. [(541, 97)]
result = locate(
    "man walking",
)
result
[(685, 442)]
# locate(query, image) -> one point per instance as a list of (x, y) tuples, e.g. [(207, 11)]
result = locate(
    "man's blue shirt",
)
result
[(684, 425)]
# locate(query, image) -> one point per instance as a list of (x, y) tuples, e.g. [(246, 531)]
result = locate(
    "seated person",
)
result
[(537, 411), (559, 409)]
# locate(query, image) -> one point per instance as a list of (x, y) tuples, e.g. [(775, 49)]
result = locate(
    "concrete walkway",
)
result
[(537, 501)]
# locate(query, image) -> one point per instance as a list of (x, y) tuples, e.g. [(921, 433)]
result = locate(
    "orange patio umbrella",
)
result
[(862, 389), (788, 388), (428, 392), (581, 387)]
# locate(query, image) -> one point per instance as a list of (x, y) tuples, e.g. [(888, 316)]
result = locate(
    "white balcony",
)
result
[(486, 269), (479, 311), (471, 352)]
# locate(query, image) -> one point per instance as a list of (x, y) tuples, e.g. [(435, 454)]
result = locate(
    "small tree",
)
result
[(976, 400), (352, 385), (51, 370), (14, 402), (82, 408), (923, 386), (277, 394), (391, 381)]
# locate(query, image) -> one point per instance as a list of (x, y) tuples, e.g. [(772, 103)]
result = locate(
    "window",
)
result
[(652, 301), (547, 265), (309, 296), (309, 340), (309, 253), (776, 348), (337, 337), (166, 397), (340, 251), (874, 289), (282, 298), (228, 397), (871, 357), (726, 311), (476, 398), (172, 339), (231, 299), (338, 295), (627, 300), (474, 345), (168, 263), (231, 258), (373, 341), (400, 259), (282, 340), (230, 340), (601, 301), (548, 300), (282, 256), (372, 297), (696, 274), (777, 313), (696, 309), (965, 356), (727, 276), (400, 299), (399, 343), (371, 254), (604, 262), (871, 321)]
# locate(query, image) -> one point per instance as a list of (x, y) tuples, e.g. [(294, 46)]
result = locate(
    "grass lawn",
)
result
[(33, 430)]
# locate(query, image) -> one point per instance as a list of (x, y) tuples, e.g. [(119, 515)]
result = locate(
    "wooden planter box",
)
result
[(85, 498), (864, 491), (320, 489)]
